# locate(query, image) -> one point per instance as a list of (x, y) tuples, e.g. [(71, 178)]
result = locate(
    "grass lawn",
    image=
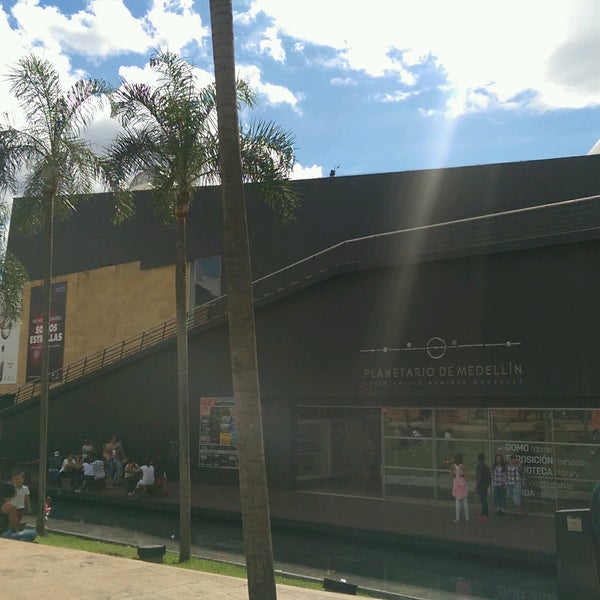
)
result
[(170, 558)]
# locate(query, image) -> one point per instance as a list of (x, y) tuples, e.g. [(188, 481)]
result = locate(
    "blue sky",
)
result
[(388, 85)]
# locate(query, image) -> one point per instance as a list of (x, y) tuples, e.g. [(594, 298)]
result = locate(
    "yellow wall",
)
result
[(104, 307)]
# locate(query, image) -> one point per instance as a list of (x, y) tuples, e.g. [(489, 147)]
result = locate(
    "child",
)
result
[(21, 498), (47, 508)]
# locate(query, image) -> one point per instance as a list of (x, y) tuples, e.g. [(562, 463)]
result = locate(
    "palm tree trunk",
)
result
[(183, 403), (242, 340), (45, 375)]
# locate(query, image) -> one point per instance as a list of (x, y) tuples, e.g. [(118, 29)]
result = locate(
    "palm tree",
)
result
[(242, 337), (170, 135), (59, 169)]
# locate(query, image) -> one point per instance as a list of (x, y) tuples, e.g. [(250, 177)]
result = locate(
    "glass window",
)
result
[(407, 422), (457, 423), (576, 426), (205, 279), (408, 482), (521, 424)]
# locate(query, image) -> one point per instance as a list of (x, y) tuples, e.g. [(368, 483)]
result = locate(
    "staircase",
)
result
[(561, 222)]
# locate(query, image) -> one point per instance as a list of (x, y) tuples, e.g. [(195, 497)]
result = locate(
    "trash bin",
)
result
[(576, 556), (152, 553)]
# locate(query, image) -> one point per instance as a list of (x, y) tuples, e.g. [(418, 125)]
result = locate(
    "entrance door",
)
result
[(339, 450)]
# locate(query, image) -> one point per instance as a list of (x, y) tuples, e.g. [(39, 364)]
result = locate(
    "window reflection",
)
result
[(558, 449)]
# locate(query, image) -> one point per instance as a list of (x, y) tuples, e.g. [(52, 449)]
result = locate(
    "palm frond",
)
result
[(28, 214), (13, 276), (36, 84), (17, 149), (268, 157), (82, 99)]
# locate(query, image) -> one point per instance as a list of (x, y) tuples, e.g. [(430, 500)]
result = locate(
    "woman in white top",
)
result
[(460, 489)]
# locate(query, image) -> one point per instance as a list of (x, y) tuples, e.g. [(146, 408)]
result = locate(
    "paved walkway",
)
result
[(44, 572)]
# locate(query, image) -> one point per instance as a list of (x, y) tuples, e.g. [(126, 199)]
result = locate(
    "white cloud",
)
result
[(107, 27), (275, 94), (175, 24), (392, 97), (272, 45), (343, 81), (300, 172), (490, 52)]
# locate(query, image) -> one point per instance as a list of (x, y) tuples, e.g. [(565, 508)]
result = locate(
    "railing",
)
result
[(129, 347), (395, 247)]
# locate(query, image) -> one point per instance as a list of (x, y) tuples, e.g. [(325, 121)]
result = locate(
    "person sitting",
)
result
[(7, 509), (70, 469), (132, 475), (147, 480), (99, 472), (88, 473), (9, 527), (160, 476), (54, 464)]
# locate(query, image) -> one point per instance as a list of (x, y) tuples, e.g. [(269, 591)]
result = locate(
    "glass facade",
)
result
[(559, 451)]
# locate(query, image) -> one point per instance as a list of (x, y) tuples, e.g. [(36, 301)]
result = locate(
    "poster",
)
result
[(58, 304), (218, 433), (9, 349)]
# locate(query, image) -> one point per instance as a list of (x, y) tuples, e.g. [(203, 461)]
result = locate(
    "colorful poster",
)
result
[(9, 349), (218, 433), (58, 305)]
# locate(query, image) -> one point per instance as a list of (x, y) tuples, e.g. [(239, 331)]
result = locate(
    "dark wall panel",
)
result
[(333, 210), (506, 328), (509, 329)]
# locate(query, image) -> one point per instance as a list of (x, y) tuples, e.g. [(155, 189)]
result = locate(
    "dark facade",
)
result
[(472, 336)]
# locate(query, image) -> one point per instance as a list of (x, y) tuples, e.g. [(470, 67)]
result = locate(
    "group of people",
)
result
[(505, 477), (105, 467)]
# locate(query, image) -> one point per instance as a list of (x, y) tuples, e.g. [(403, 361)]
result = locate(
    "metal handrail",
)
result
[(569, 216)]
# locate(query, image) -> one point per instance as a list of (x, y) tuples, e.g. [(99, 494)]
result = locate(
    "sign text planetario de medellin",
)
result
[(497, 370)]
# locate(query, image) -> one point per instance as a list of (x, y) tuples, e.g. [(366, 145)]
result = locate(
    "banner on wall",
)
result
[(218, 433), (58, 305), (9, 349)]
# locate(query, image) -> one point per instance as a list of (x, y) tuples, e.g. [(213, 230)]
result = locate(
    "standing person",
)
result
[(21, 498), (499, 481), (483, 479), (87, 449), (120, 459), (109, 451), (460, 489), (514, 477)]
